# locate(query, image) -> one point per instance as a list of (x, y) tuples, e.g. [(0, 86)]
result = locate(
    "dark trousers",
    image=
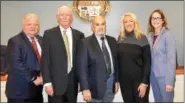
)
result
[(70, 96), (36, 93), (38, 98), (130, 94)]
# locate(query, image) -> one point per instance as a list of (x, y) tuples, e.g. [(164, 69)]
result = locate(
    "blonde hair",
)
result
[(31, 15), (137, 30)]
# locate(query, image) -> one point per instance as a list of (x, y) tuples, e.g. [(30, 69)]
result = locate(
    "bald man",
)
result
[(97, 64), (59, 59), (24, 83)]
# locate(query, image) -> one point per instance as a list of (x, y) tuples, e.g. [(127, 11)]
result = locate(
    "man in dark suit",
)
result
[(97, 64), (59, 59), (24, 83)]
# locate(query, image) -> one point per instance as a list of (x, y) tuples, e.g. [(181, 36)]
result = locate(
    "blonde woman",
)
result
[(134, 60)]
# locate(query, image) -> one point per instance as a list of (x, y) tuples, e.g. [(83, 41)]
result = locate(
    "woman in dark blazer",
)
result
[(134, 60), (163, 48)]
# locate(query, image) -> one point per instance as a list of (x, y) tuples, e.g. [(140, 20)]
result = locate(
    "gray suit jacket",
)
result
[(163, 56)]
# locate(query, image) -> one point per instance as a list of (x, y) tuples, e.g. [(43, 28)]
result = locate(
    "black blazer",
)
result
[(54, 59), (22, 66), (91, 65), (3, 62)]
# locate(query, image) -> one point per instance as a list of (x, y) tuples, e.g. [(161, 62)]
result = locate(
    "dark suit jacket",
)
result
[(91, 65), (22, 66), (54, 59), (3, 69)]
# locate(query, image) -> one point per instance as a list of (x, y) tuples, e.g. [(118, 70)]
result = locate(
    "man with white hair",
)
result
[(24, 83), (59, 59)]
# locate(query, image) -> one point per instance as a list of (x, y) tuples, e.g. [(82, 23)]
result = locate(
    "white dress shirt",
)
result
[(108, 48), (70, 39), (38, 45)]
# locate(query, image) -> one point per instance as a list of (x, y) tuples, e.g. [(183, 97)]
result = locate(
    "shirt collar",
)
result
[(62, 29), (30, 39), (99, 37)]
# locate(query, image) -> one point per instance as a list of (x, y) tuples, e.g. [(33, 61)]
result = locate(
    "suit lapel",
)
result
[(73, 42), (98, 48), (28, 43), (59, 36), (158, 38), (111, 48), (96, 44), (39, 41), (150, 40), (156, 41)]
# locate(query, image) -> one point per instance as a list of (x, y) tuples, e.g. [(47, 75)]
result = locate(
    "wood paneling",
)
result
[(179, 70)]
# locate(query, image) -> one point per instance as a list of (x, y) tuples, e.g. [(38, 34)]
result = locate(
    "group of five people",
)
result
[(64, 62)]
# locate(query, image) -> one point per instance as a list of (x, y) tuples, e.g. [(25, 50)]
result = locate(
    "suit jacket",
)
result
[(163, 55), (3, 69), (54, 59), (22, 65), (91, 65)]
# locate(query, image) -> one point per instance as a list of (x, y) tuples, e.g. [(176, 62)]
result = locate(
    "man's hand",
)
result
[(41, 80), (49, 90), (116, 87), (38, 81), (87, 95), (169, 88), (142, 90)]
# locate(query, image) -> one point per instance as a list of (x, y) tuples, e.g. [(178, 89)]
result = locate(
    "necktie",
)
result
[(36, 50), (66, 42), (106, 56)]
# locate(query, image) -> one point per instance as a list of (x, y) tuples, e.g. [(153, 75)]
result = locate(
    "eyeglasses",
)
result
[(156, 18)]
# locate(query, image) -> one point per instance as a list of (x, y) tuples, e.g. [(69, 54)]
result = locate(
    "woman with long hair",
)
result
[(134, 59), (163, 50)]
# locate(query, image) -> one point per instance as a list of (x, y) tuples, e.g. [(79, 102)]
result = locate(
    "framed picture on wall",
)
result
[(86, 10)]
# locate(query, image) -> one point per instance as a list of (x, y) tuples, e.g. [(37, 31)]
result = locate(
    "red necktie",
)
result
[(36, 50)]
